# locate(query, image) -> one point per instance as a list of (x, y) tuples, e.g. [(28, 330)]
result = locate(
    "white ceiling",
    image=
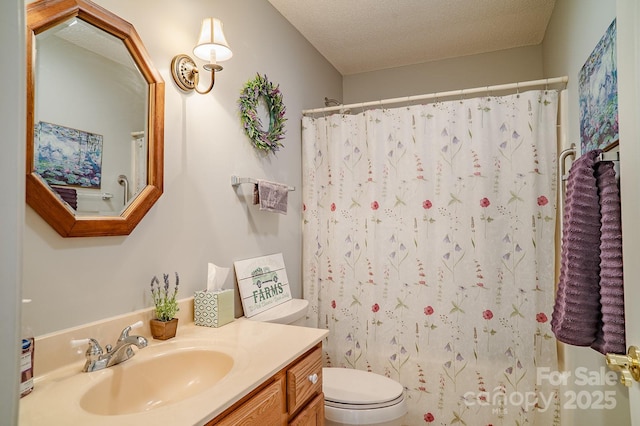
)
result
[(367, 35)]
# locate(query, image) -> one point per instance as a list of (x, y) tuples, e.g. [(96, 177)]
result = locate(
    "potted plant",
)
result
[(165, 324)]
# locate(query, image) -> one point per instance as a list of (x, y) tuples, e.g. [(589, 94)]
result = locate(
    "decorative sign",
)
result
[(262, 282)]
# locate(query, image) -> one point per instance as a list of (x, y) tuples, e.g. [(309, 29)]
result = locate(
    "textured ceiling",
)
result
[(367, 35)]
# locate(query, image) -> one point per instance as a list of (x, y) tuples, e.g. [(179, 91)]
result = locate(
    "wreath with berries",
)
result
[(255, 90)]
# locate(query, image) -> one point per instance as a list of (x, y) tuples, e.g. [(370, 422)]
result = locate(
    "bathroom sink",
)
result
[(141, 385)]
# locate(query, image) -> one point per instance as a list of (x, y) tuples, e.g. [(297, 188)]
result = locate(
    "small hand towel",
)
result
[(256, 195), (610, 336), (576, 315), (69, 195), (273, 196)]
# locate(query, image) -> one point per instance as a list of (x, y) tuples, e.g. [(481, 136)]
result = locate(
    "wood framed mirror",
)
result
[(95, 120)]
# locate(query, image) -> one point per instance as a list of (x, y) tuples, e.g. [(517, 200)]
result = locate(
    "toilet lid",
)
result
[(284, 313), (355, 387)]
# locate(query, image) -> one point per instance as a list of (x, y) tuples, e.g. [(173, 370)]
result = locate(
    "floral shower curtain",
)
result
[(428, 252)]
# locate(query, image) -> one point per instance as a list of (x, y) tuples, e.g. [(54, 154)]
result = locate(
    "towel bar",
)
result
[(104, 195), (609, 156), (569, 152), (235, 181)]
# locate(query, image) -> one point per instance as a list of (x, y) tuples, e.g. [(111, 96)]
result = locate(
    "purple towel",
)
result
[(69, 195), (589, 308), (576, 314), (272, 196), (610, 336)]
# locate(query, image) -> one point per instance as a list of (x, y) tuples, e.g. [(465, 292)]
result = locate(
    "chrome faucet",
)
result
[(98, 359)]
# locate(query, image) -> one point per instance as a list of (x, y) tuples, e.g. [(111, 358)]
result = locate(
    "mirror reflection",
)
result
[(95, 120), (90, 116)]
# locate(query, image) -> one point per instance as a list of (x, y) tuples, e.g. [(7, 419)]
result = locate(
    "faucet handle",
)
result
[(94, 354), (125, 332), (94, 349)]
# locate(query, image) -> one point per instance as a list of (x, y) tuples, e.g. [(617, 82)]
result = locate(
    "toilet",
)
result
[(355, 397), (352, 397), (291, 312)]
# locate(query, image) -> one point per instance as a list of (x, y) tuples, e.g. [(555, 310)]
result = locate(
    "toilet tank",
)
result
[(292, 312)]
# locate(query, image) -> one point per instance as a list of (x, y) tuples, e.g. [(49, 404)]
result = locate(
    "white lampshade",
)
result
[(212, 45)]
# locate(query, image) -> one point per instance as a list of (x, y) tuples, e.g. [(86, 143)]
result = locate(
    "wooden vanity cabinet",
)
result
[(293, 396), (312, 415), (267, 407)]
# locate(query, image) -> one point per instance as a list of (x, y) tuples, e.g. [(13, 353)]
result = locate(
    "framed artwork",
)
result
[(68, 157), (262, 282), (598, 94)]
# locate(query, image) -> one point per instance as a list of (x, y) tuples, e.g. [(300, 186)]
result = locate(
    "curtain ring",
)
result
[(518, 90)]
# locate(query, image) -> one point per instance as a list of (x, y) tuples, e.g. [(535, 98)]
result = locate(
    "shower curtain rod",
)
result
[(510, 86)]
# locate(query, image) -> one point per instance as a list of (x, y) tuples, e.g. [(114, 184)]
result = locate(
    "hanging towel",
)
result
[(589, 308), (69, 195), (576, 314), (273, 196), (256, 194), (610, 336)]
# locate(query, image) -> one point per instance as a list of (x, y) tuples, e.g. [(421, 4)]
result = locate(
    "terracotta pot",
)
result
[(163, 330)]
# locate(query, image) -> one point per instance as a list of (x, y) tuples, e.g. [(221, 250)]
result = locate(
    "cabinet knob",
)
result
[(313, 378)]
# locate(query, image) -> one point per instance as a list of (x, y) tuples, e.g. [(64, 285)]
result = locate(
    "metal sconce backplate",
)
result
[(185, 72)]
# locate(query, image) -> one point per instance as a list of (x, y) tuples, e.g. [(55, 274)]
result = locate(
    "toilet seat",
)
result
[(359, 390), (354, 397), (347, 406)]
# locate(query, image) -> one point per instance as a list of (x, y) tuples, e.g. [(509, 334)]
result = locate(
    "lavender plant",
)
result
[(165, 301)]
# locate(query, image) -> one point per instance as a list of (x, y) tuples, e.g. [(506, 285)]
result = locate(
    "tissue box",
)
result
[(213, 308)]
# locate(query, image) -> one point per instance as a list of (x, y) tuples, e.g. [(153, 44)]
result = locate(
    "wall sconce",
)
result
[(212, 47)]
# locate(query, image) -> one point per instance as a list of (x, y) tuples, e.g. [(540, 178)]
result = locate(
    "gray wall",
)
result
[(199, 218), (505, 66), (12, 123)]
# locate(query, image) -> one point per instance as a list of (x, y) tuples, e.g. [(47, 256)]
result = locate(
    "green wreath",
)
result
[(253, 91)]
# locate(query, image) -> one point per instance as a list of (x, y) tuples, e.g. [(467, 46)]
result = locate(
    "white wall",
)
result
[(487, 69), (576, 27), (12, 123), (199, 218)]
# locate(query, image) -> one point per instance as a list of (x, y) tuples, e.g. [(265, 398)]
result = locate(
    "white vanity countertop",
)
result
[(259, 351)]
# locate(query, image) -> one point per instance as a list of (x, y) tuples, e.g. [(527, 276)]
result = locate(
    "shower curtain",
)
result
[(428, 252)]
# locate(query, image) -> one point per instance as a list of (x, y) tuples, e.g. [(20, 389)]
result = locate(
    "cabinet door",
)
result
[(304, 381), (312, 415), (265, 408)]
